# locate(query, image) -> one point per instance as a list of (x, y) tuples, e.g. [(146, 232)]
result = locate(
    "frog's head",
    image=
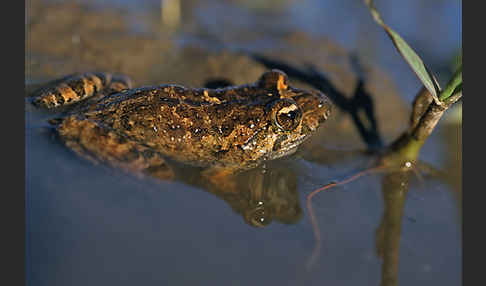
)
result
[(294, 114)]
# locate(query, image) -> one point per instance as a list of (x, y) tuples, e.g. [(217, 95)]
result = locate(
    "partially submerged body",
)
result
[(223, 130)]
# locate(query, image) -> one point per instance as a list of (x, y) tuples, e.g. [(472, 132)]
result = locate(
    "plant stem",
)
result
[(395, 188), (425, 116)]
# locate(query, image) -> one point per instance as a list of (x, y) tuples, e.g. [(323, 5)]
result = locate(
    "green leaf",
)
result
[(453, 86), (415, 62)]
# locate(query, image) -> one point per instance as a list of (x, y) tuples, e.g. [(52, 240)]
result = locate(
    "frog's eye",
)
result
[(286, 114), (257, 217)]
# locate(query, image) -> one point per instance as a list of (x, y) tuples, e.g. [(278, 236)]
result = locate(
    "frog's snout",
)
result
[(317, 109), (321, 107), (325, 108)]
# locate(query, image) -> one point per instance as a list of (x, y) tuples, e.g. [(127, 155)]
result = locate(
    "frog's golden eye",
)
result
[(257, 217), (286, 114)]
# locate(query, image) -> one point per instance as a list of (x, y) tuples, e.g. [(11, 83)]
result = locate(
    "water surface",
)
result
[(92, 225)]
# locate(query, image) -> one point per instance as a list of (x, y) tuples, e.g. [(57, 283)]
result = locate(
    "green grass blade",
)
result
[(415, 62)]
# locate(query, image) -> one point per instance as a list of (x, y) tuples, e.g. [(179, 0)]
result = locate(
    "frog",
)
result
[(148, 129)]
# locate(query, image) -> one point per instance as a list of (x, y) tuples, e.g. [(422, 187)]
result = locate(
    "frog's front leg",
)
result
[(78, 87), (102, 145)]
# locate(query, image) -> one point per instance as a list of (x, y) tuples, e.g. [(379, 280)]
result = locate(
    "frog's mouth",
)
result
[(282, 147)]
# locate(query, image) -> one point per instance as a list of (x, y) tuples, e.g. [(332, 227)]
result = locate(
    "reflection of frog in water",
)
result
[(222, 130), (261, 195)]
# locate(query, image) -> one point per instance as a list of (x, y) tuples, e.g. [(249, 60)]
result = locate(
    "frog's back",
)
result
[(192, 125)]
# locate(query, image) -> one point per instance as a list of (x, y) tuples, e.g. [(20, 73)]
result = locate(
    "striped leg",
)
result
[(77, 87)]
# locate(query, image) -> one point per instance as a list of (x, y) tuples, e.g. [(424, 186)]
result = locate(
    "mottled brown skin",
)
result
[(224, 130)]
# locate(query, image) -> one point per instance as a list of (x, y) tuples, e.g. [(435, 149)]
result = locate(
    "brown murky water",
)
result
[(91, 225)]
